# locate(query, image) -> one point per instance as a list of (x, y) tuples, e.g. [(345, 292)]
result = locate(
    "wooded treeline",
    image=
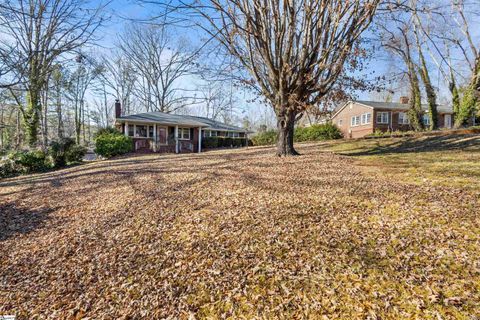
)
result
[(437, 51), (57, 80)]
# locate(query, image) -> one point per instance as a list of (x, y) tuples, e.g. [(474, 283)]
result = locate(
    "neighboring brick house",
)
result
[(357, 119), (165, 132)]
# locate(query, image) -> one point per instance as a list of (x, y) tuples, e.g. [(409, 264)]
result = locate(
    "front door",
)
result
[(448, 121), (162, 135)]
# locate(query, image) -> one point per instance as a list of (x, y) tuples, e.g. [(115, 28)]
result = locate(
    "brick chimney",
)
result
[(404, 100), (118, 109)]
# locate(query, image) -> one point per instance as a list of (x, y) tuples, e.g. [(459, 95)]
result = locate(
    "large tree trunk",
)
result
[(415, 112), (286, 129), (31, 116), (431, 95)]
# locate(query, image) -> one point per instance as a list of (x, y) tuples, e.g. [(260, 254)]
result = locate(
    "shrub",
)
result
[(9, 168), (316, 132), (228, 142), (112, 144), (265, 138), (210, 142), (58, 151), (237, 142), (106, 130), (75, 153), (30, 161)]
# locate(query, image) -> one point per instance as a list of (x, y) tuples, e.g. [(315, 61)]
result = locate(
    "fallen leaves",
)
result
[(237, 234)]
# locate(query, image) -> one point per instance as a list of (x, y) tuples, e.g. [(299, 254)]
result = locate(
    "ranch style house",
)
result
[(173, 133), (357, 119)]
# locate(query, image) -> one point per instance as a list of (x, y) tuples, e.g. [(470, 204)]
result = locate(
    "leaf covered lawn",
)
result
[(238, 234)]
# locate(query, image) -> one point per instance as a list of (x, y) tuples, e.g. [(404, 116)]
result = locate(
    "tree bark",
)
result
[(286, 129), (31, 116)]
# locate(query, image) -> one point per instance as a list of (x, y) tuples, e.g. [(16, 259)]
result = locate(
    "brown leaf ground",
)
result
[(243, 234)]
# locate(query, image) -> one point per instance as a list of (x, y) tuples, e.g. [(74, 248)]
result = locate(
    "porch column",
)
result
[(199, 139), (154, 137), (126, 129), (176, 139)]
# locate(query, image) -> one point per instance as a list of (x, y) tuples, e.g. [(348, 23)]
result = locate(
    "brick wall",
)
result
[(344, 117)]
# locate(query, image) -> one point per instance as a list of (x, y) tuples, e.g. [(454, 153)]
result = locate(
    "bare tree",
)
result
[(160, 64), (38, 33), (294, 51), (81, 80), (448, 27), (395, 36), (120, 76)]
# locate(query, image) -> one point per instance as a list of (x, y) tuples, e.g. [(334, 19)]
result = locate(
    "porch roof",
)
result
[(180, 120), (162, 118)]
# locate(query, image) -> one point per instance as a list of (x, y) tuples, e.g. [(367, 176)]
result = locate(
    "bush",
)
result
[(112, 144), (30, 161), (237, 142), (265, 138), (210, 142), (58, 151), (222, 142), (106, 130), (75, 153), (9, 168), (317, 132)]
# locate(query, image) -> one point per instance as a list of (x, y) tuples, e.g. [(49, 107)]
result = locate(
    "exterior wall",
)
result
[(147, 144), (392, 125), (354, 109), (344, 117)]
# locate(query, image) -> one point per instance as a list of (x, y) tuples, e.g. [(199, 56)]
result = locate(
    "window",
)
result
[(209, 133), (233, 134), (403, 118), (150, 131), (141, 131), (355, 121), (366, 118), (340, 122), (184, 133), (426, 119), (130, 130), (382, 117)]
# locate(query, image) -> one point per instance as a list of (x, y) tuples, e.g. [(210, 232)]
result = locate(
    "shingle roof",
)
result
[(176, 119), (401, 106)]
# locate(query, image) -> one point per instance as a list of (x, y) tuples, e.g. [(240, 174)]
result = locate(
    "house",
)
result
[(357, 119), (165, 132)]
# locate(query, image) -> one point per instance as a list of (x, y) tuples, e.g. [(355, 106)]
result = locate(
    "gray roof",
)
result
[(176, 119), (401, 106)]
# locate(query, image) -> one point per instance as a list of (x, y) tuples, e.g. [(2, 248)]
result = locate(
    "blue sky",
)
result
[(122, 10)]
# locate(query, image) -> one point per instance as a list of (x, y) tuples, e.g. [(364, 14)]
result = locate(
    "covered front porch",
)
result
[(160, 137)]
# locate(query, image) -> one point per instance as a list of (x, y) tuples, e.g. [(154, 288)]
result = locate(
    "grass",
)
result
[(440, 160), (363, 229)]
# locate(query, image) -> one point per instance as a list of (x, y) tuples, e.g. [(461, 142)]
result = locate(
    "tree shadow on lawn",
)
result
[(15, 220), (428, 144)]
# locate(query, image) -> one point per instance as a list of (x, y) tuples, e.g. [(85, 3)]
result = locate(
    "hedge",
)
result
[(112, 144), (315, 132), (223, 142)]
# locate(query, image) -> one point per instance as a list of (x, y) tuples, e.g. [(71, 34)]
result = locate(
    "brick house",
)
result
[(165, 132), (357, 119)]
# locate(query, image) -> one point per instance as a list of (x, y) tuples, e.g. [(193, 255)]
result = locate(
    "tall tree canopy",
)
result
[(38, 33), (294, 51)]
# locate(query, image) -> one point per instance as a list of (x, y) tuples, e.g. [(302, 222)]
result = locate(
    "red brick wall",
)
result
[(354, 109), (345, 116)]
